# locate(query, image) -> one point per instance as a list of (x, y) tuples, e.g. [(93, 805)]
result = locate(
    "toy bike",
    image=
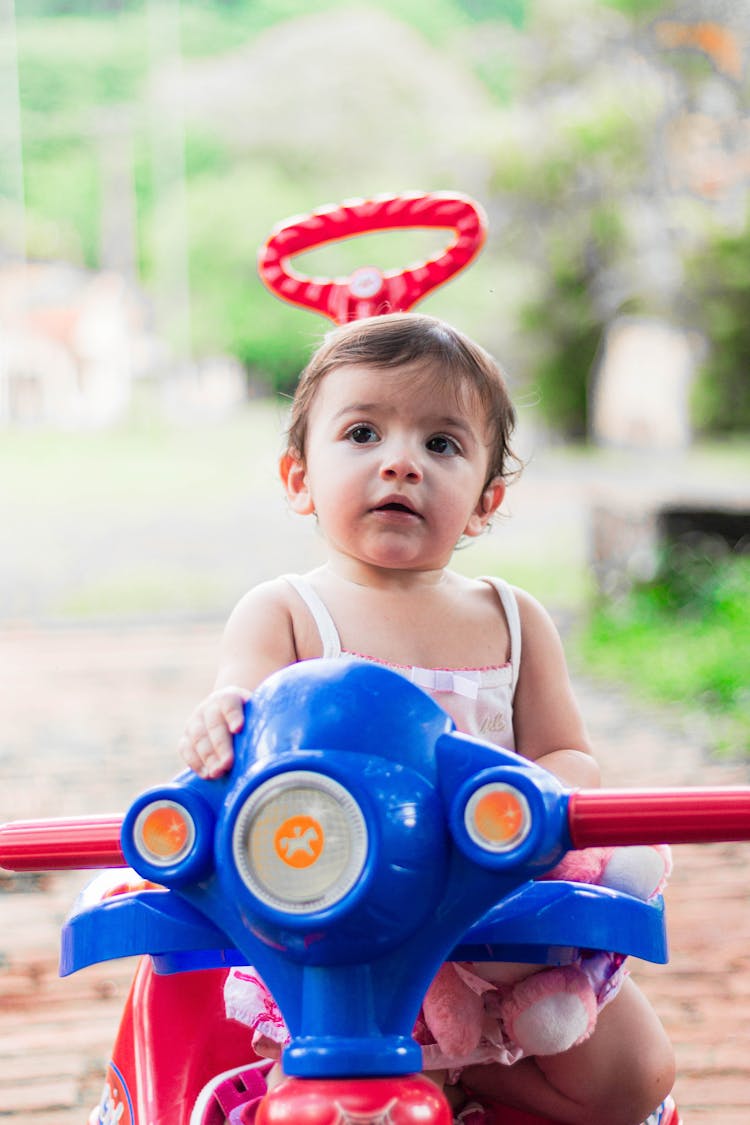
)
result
[(357, 843)]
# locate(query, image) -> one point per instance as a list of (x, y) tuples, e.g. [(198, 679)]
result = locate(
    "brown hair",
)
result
[(395, 340)]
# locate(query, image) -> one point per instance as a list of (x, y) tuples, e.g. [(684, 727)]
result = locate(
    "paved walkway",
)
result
[(89, 717), (92, 715)]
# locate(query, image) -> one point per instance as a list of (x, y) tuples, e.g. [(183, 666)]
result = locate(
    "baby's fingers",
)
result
[(232, 703), (214, 745), (197, 748), (189, 754), (206, 745)]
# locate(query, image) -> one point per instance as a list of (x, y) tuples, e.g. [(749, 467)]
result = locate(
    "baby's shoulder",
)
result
[(268, 603), (258, 638), (533, 617), (533, 614)]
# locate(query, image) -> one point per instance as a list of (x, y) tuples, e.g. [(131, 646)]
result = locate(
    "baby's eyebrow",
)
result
[(448, 422), (359, 408), (429, 421)]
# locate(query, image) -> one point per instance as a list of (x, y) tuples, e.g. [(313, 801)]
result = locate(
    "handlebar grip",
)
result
[(61, 844), (368, 291), (602, 817)]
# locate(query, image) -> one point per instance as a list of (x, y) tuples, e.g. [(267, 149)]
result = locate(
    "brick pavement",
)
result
[(89, 717)]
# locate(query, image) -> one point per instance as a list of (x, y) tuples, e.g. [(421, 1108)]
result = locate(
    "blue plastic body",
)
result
[(350, 977)]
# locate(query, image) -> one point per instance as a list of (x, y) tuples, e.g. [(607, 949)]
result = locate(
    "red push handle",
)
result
[(602, 817), (369, 292), (61, 844)]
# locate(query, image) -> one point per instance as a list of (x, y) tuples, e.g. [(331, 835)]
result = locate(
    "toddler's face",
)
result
[(395, 466)]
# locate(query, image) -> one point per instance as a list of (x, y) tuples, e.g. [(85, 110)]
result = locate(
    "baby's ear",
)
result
[(492, 497), (294, 477)]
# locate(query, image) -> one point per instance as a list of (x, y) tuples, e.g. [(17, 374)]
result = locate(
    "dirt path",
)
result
[(91, 716)]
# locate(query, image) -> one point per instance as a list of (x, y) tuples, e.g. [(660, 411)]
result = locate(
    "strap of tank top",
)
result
[(513, 617), (329, 634)]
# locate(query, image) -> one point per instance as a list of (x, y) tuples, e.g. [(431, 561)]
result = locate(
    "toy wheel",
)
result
[(369, 291)]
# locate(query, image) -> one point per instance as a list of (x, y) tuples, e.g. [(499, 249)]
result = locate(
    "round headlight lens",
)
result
[(300, 842), (164, 833), (497, 817)]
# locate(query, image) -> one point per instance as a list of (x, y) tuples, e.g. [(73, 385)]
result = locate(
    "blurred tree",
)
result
[(719, 299), (576, 170), (373, 107), (551, 112)]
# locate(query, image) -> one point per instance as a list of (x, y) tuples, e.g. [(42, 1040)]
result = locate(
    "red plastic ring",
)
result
[(368, 291)]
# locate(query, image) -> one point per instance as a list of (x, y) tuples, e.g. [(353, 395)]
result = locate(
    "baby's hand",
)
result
[(206, 744)]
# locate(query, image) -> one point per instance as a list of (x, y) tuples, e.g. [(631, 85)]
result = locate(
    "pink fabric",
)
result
[(493, 1041), (249, 1001)]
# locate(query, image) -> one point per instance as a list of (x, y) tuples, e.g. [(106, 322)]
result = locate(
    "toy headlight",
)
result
[(497, 817), (300, 842), (164, 833)]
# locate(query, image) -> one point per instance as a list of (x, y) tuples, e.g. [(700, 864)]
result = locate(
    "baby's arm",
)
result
[(547, 723), (258, 640)]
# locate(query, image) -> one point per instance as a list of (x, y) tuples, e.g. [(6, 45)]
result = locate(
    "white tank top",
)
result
[(479, 700)]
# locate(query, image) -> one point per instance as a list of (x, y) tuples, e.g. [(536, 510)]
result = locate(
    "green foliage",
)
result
[(439, 19), (514, 11), (719, 302), (567, 321), (639, 9), (74, 65), (233, 311), (82, 62), (65, 218), (208, 27), (45, 9), (72, 71), (685, 639), (532, 105), (581, 173)]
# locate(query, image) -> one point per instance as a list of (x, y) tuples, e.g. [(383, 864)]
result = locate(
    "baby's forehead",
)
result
[(414, 386)]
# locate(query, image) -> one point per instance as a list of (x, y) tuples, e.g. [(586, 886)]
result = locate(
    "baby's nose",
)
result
[(401, 463)]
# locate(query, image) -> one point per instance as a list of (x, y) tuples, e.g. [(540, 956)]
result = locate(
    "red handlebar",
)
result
[(84, 842), (368, 291), (596, 817), (599, 817)]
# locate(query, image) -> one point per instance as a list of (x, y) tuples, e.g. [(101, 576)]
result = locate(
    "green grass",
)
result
[(129, 521), (143, 464), (684, 640), (142, 592)]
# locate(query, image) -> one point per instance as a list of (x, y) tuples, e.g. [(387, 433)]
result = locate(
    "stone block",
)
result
[(629, 545)]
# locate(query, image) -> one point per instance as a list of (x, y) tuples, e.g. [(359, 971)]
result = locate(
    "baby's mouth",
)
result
[(397, 506)]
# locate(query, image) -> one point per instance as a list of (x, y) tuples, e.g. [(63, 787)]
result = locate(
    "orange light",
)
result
[(165, 831), (499, 816), (299, 841)]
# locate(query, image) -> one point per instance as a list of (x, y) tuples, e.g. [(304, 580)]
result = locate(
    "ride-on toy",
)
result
[(357, 843)]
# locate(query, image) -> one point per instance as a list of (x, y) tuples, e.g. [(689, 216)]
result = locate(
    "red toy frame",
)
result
[(368, 291)]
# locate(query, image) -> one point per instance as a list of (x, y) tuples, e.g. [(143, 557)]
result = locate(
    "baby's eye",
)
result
[(444, 445), (361, 434)]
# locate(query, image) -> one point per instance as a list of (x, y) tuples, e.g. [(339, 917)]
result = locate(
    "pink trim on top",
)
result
[(408, 667)]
